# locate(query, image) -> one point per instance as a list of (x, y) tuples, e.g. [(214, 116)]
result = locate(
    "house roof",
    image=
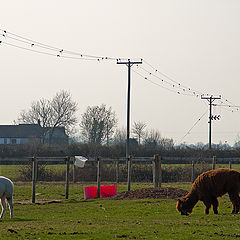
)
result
[(21, 131)]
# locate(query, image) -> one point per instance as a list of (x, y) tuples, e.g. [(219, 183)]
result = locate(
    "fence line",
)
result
[(156, 162), (168, 160)]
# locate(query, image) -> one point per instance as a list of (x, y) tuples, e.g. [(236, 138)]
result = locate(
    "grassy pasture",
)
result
[(76, 218)]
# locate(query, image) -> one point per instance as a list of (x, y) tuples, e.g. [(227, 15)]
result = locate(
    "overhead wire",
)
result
[(223, 102), (149, 75), (58, 51), (189, 131), (178, 88), (149, 80), (166, 82), (171, 79), (24, 48), (172, 84)]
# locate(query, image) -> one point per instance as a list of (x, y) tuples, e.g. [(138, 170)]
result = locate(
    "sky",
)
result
[(184, 44)]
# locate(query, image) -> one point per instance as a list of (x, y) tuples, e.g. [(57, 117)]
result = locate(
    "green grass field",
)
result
[(76, 218)]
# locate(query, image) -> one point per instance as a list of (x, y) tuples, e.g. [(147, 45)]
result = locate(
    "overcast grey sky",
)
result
[(196, 43)]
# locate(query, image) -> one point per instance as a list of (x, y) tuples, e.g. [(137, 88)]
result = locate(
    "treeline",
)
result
[(111, 151)]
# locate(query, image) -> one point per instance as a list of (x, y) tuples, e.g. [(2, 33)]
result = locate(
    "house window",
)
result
[(13, 141), (5, 140)]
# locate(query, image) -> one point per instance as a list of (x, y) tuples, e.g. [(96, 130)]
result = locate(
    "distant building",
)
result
[(57, 137), (32, 133)]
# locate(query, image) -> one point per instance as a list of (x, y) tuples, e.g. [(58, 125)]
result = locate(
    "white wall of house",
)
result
[(23, 140), (13, 140)]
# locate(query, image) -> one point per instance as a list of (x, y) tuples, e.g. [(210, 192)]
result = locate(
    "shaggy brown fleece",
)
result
[(210, 185)]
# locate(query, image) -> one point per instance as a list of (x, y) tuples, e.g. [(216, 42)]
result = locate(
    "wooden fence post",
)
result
[(156, 171), (230, 164), (214, 162), (193, 172), (67, 177), (117, 170), (129, 161), (74, 173), (98, 176), (160, 172), (34, 178)]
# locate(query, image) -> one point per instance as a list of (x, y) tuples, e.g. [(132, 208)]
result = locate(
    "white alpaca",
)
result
[(6, 193)]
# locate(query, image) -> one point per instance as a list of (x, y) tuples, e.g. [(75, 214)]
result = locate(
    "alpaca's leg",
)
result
[(207, 204), (4, 206), (235, 202), (215, 205), (10, 204)]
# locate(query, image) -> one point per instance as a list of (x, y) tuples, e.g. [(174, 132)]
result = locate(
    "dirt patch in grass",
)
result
[(39, 201), (157, 193)]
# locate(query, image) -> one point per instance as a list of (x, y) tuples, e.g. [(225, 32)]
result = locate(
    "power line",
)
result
[(189, 131), (30, 44), (226, 104), (157, 71), (164, 81), (180, 89), (157, 84)]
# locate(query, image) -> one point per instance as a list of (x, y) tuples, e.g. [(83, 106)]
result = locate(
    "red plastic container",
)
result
[(108, 190), (90, 192), (105, 191)]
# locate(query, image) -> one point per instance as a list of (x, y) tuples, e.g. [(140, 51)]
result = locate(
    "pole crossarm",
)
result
[(210, 98), (129, 62)]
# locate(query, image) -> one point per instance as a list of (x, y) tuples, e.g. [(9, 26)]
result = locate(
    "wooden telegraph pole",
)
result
[(129, 64), (211, 117)]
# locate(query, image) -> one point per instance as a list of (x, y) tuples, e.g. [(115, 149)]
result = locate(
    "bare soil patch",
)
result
[(39, 201), (155, 193)]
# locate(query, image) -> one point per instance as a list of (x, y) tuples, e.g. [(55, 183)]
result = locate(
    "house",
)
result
[(56, 136), (32, 133)]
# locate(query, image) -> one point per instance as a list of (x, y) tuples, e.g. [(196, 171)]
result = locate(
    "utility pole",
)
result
[(211, 100), (129, 64)]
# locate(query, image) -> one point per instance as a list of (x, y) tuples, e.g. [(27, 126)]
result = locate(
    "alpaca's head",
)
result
[(183, 206)]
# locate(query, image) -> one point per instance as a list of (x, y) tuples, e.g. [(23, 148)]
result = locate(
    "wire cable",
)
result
[(168, 87), (153, 82), (178, 86), (174, 81), (189, 131), (14, 40), (32, 43)]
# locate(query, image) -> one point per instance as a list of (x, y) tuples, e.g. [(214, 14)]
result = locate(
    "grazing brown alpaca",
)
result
[(210, 185)]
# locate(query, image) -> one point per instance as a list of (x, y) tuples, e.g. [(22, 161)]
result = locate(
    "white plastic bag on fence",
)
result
[(80, 161)]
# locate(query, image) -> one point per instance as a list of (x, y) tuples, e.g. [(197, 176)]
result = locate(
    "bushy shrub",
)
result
[(139, 172), (43, 173)]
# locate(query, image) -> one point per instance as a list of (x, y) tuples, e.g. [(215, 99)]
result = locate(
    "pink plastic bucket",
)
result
[(108, 190), (90, 192)]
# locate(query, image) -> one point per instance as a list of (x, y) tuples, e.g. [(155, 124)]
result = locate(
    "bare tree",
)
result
[(139, 130), (40, 111), (152, 138), (59, 111), (98, 124), (111, 123), (120, 135), (166, 143)]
